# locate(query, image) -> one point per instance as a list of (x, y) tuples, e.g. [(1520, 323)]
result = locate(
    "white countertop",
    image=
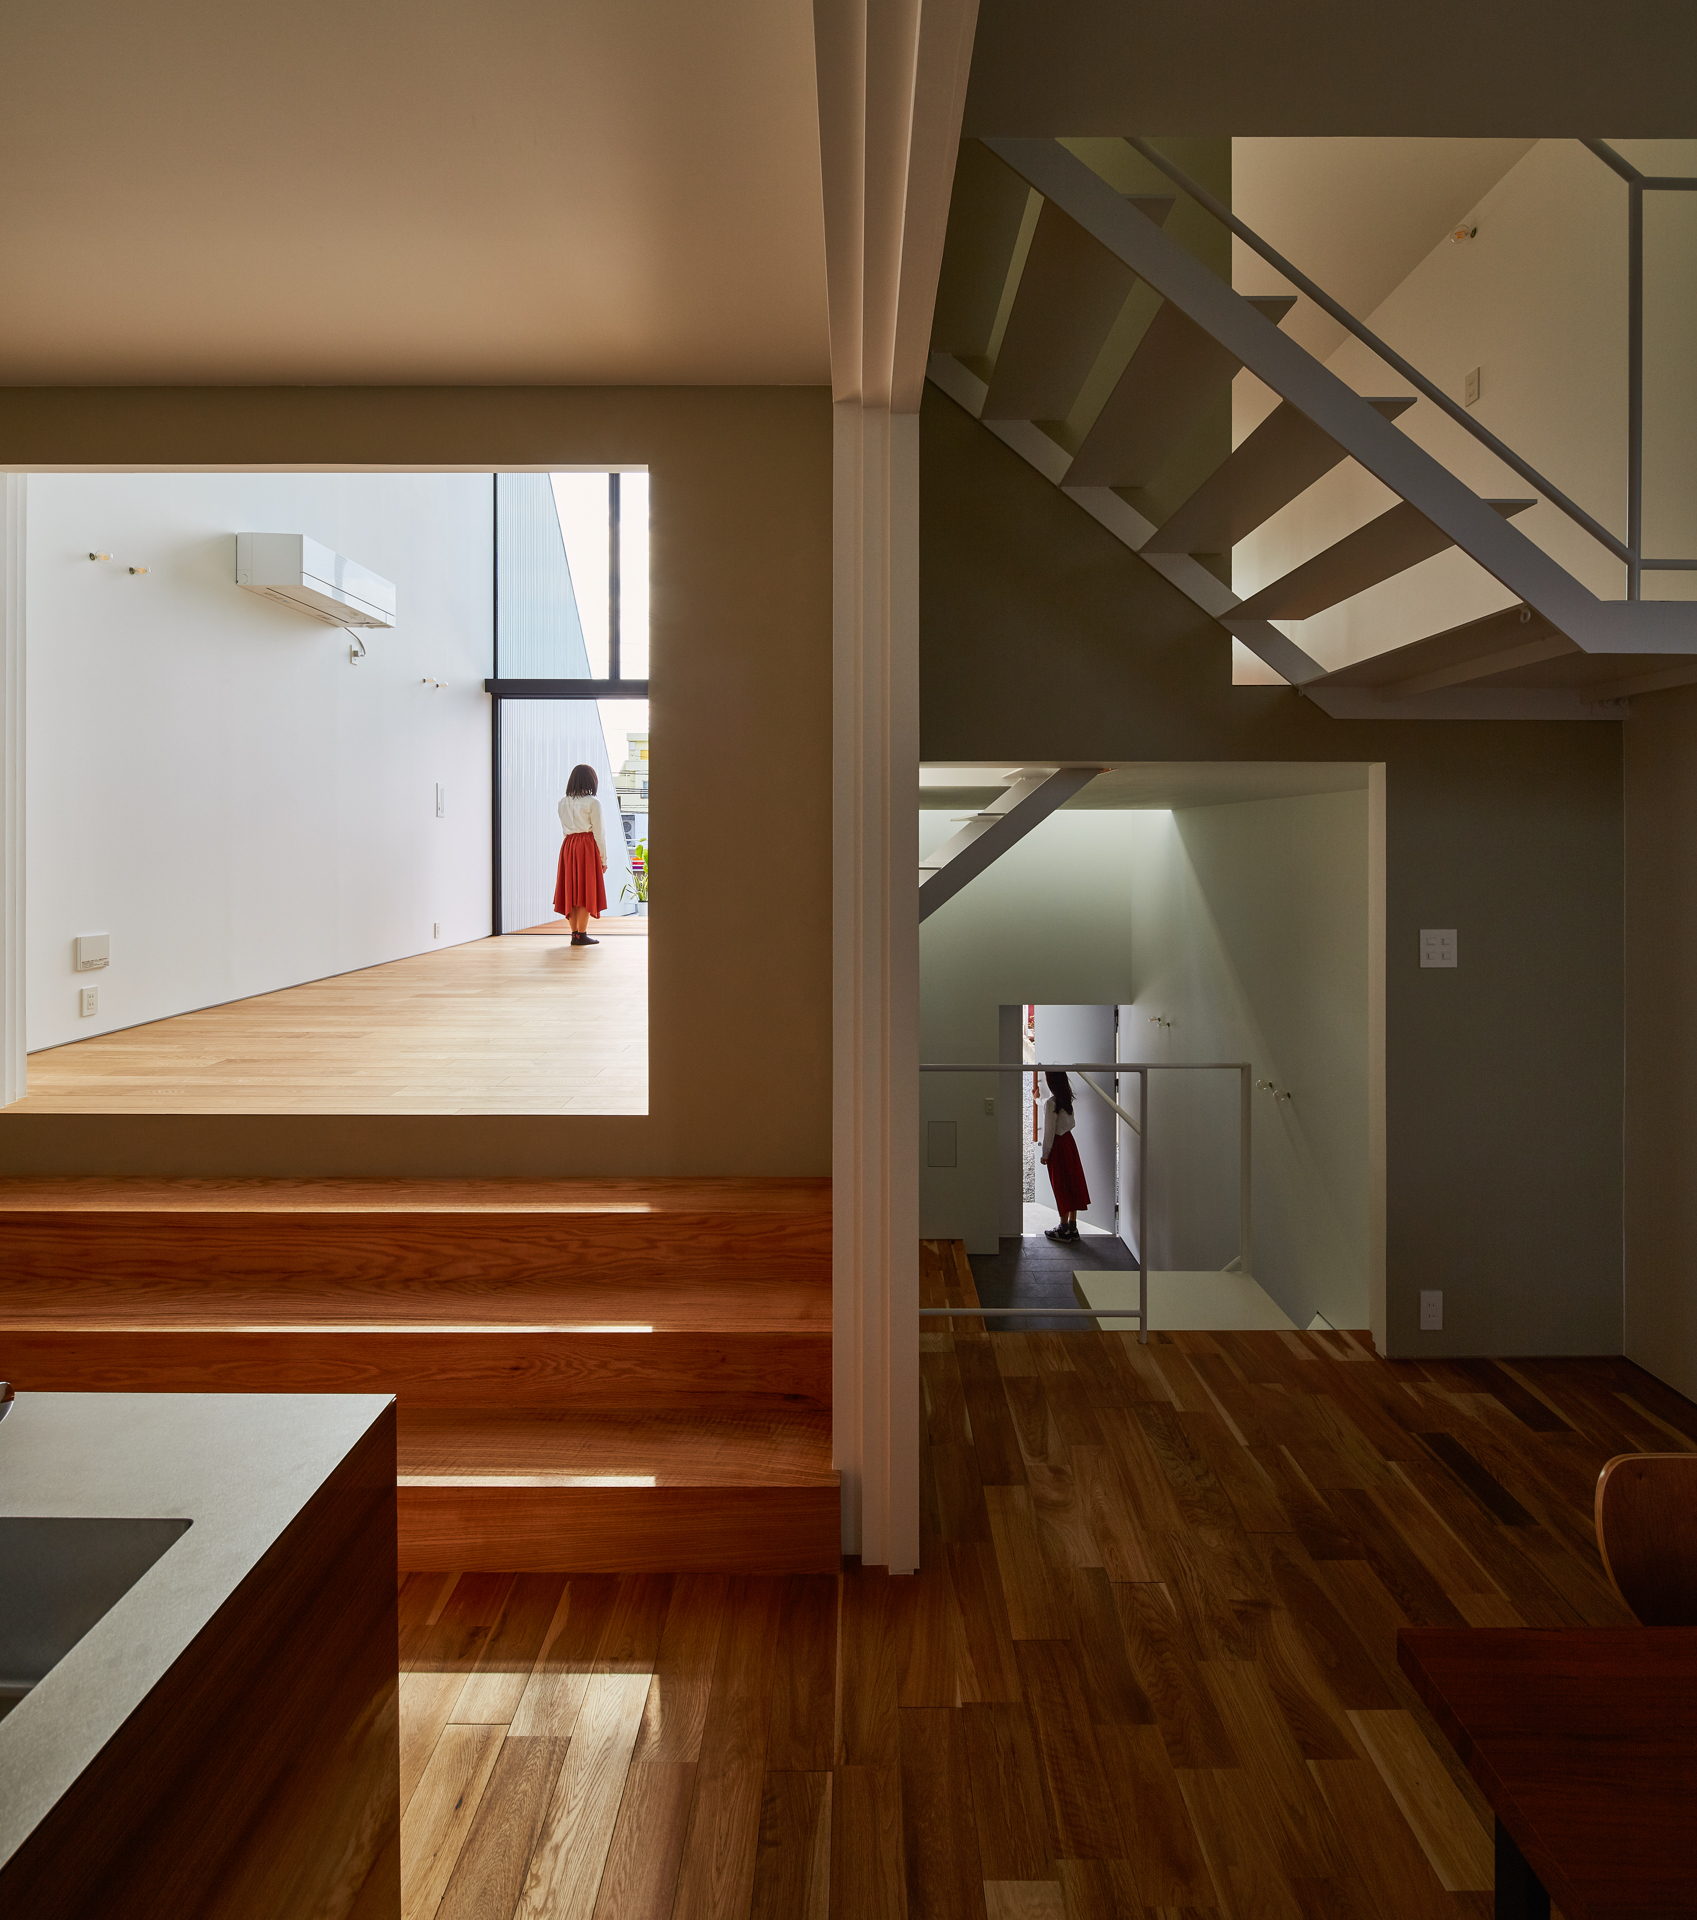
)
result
[(240, 1466)]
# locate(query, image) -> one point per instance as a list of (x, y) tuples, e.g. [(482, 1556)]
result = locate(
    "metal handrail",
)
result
[(1142, 1068), (1368, 338)]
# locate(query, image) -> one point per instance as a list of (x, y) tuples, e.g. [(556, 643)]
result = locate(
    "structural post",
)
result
[(13, 1068), (1143, 1204), (875, 1158), (1635, 386), (1245, 1129), (892, 87)]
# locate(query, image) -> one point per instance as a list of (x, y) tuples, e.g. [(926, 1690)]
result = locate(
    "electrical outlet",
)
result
[(1431, 1310), (990, 1106), (88, 1001), (1437, 946)]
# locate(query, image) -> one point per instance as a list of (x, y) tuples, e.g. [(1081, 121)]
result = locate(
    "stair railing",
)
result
[(1621, 550), (1140, 1127)]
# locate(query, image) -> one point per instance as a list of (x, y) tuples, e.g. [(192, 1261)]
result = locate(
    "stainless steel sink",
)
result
[(57, 1578)]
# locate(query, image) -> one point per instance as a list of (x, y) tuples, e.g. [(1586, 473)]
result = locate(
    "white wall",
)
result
[(210, 782), (1246, 926), (1538, 303)]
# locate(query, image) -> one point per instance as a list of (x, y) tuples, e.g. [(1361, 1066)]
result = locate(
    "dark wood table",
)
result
[(1584, 1740)]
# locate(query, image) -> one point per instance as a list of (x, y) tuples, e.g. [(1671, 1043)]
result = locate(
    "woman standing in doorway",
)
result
[(1060, 1156), (580, 892)]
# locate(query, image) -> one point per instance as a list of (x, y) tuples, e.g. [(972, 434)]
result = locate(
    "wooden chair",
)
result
[(1647, 1534)]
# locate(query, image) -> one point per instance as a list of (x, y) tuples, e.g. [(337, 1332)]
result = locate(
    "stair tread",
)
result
[(660, 1197), (1397, 539), (612, 1447), (1173, 372), (84, 1303), (1283, 457)]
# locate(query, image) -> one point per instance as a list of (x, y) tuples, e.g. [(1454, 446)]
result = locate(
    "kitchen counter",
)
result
[(223, 1739)]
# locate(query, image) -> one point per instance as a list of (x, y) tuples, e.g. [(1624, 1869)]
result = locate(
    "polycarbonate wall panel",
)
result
[(541, 741), (541, 628)]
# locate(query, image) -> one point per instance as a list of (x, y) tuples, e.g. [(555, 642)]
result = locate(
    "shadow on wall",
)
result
[(1242, 929)]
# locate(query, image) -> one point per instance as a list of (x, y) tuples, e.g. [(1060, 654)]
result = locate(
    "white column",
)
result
[(892, 80), (875, 1148), (13, 1068)]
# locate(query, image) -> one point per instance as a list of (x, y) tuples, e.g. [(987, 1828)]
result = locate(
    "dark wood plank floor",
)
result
[(1148, 1666)]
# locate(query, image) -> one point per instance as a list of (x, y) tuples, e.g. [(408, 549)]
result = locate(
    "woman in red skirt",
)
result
[(1060, 1156), (580, 893)]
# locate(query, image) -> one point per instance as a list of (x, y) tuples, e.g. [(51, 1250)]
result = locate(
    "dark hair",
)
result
[(1061, 1088), (583, 781)]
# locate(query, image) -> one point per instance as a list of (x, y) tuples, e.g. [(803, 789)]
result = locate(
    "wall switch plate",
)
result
[(88, 1001), (92, 950), (441, 800), (1470, 388), (1431, 1311), (1437, 946), (990, 1106), (436, 929)]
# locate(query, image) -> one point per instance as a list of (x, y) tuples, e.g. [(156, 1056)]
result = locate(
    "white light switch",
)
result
[(88, 1001), (92, 950), (990, 1106), (1431, 1311), (441, 800), (1470, 388), (1437, 946)]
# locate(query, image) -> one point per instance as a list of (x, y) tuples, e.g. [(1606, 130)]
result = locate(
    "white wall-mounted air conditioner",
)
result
[(324, 585)]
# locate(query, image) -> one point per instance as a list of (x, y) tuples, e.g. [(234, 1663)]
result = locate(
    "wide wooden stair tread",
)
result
[(591, 1375), (668, 1448)]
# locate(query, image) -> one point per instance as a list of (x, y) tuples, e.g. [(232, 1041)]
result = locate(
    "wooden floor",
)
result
[(1147, 1667), (523, 1024)]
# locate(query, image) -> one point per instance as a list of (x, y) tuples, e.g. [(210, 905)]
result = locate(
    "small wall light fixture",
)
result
[(1468, 230), (100, 556), (138, 569)]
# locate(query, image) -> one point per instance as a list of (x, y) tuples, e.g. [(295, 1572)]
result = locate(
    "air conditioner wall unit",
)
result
[(326, 586)]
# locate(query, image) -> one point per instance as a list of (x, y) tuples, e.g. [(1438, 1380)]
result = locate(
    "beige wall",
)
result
[(1043, 637), (1661, 1036), (741, 719)]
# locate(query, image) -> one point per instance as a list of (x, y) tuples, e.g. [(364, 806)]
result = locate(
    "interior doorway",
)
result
[(1079, 1034)]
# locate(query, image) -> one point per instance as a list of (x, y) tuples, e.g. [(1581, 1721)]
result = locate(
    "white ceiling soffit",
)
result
[(1356, 216), (1153, 784), (347, 192)]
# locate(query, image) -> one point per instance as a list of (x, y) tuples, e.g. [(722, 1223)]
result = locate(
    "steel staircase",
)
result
[(1560, 651)]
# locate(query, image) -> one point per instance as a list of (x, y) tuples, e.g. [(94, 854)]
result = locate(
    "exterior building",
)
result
[(631, 784)]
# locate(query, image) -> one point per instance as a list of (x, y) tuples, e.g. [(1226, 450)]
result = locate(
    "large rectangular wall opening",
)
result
[(265, 833)]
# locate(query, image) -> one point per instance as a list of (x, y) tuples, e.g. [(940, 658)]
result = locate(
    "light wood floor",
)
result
[(523, 1024), (1147, 1668)]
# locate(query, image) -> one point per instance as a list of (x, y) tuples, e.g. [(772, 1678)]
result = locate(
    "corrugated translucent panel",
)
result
[(541, 741), (541, 633)]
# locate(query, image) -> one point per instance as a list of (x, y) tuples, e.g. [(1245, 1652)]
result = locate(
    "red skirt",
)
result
[(578, 881), (1066, 1176)]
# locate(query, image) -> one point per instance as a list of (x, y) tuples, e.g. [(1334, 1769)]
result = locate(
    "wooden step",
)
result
[(459, 1365), (468, 1233), (519, 1324), (630, 1491)]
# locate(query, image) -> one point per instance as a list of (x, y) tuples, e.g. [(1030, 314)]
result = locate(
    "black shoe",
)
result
[(583, 940), (1058, 1233)]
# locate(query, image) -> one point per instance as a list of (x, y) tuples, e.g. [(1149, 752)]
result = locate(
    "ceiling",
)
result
[(1357, 216), (1448, 67), (1150, 785), (349, 191)]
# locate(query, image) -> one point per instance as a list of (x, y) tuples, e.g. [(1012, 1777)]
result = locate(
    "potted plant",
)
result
[(638, 876)]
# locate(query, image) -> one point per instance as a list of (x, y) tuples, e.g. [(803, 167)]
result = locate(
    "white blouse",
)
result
[(1055, 1122), (581, 813)]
